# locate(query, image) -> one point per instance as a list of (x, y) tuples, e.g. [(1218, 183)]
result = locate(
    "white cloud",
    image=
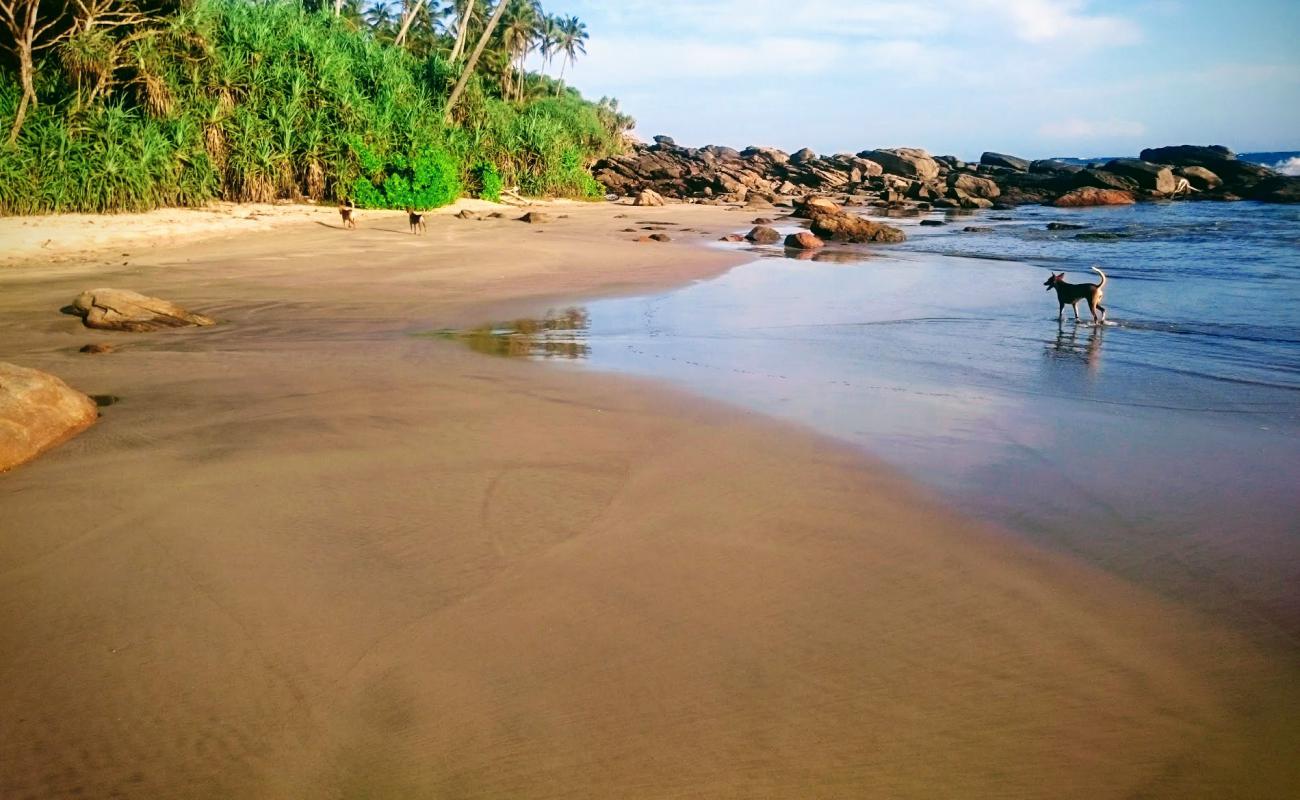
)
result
[(624, 59), (1063, 21), (1076, 128)]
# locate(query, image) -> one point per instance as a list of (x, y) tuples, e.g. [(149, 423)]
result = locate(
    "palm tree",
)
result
[(473, 59), (465, 13), (573, 40), (519, 32), (550, 39), (380, 17)]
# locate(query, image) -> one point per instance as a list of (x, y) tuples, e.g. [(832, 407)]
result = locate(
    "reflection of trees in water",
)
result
[(557, 335), (1067, 346)]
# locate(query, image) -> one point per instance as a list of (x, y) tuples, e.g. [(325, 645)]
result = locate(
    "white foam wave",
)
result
[(1290, 166)]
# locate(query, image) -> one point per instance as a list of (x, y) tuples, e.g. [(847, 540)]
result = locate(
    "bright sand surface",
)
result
[(309, 555)]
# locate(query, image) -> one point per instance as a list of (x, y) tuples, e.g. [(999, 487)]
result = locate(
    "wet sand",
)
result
[(308, 554)]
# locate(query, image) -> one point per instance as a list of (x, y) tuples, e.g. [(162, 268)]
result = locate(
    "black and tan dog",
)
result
[(1071, 293), (416, 219), (346, 210)]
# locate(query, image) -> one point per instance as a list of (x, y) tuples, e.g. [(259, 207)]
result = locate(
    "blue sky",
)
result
[(1031, 77)]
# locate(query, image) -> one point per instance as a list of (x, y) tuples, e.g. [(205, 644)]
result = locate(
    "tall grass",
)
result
[(262, 101)]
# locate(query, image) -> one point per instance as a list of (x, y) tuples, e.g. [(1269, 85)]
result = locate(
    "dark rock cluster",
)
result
[(907, 176)]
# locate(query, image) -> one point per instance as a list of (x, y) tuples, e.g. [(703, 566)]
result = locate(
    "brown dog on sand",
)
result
[(345, 211), (416, 219)]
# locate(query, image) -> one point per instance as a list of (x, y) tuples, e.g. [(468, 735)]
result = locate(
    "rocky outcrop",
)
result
[(124, 310), (758, 177), (37, 412), (1092, 196), (1278, 189)]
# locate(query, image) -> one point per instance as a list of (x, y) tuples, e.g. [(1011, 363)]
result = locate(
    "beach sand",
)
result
[(308, 554)]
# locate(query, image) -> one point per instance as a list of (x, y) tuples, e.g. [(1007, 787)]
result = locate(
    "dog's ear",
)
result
[(1060, 276)]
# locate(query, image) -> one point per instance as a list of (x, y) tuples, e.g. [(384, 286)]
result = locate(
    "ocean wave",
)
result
[(1290, 166)]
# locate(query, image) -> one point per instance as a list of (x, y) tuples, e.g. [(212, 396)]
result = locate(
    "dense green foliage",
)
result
[(259, 101)]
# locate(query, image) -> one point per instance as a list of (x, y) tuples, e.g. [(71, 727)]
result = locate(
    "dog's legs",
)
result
[(1103, 311), (1075, 306), (1060, 313)]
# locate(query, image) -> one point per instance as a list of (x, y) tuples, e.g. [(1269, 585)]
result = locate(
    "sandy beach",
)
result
[(307, 553)]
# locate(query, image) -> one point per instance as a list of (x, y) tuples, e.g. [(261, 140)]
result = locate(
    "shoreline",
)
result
[(361, 549)]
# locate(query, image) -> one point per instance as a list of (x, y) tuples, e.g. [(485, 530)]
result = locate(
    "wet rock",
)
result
[(535, 218), (803, 241), (465, 213), (977, 229), (97, 348), (732, 237), (661, 237), (1278, 189), (933, 222), (763, 235), (37, 412), (1152, 177), (124, 310), (1092, 196), (1064, 226), (762, 221), (909, 162), (1005, 162), (846, 227)]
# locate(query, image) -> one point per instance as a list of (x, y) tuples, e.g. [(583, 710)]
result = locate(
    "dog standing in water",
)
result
[(345, 211), (416, 219), (1071, 293)]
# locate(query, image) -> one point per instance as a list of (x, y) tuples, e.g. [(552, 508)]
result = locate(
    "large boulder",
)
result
[(1101, 179), (1005, 161), (803, 156), (908, 162), (1199, 177), (1152, 177), (846, 227), (812, 205), (761, 234), (124, 310), (37, 412), (1092, 196), (1052, 166), (1189, 155), (803, 241), (648, 197), (973, 185)]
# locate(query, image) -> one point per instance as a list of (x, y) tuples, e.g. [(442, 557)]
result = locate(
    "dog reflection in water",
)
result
[(1067, 346)]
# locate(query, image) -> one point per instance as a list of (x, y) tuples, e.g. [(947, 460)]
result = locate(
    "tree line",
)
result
[(155, 102)]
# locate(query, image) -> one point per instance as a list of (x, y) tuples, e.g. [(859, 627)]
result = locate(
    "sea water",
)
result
[(1164, 444)]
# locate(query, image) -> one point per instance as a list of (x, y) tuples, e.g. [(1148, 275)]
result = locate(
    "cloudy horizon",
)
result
[(1033, 77)]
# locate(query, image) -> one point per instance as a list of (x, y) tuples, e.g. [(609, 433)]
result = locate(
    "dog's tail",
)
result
[(1102, 274)]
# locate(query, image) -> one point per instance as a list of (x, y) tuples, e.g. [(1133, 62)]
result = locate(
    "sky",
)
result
[(1037, 78)]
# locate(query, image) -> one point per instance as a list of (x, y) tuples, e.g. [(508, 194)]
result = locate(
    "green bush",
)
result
[(489, 182)]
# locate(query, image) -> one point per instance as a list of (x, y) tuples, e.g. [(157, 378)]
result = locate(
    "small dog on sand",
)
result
[(345, 211), (1071, 293), (416, 220)]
